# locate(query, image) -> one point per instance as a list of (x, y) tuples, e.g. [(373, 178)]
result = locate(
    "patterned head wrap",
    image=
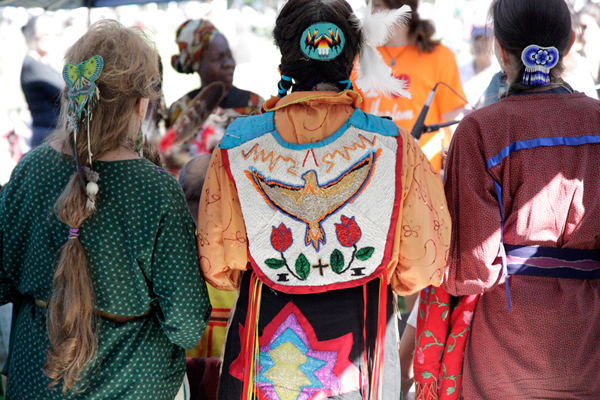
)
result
[(193, 37)]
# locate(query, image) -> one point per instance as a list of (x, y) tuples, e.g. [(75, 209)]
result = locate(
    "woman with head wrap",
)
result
[(204, 50)]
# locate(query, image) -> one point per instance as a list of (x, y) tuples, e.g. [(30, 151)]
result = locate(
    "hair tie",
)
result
[(73, 233), (346, 83), (284, 85), (538, 63)]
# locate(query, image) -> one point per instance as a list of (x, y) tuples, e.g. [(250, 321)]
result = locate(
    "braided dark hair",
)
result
[(294, 18)]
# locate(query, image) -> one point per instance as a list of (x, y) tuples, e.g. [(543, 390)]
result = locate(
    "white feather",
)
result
[(375, 74), (90, 204), (377, 27)]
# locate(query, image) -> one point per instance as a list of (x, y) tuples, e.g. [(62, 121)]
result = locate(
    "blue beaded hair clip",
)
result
[(538, 63)]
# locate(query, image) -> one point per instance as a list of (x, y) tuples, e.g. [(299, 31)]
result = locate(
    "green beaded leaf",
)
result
[(365, 253), (336, 261), (428, 333), (450, 390), (274, 263), (302, 267), (444, 315), (426, 375)]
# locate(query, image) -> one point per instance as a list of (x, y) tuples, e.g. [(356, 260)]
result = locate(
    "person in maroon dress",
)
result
[(523, 190)]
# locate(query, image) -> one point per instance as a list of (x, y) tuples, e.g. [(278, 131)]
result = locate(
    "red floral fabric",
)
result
[(442, 328)]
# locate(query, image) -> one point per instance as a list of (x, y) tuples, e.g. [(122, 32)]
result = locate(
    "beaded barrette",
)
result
[(538, 63), (322, 41)]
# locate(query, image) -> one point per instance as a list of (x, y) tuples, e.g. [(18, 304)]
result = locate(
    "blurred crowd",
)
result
[(461, 25), (247, 30)]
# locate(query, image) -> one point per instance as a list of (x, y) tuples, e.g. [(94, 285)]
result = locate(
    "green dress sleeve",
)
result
[(8, 291), (183, 302)]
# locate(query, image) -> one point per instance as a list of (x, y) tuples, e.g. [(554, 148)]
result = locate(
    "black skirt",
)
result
[(312, 343)]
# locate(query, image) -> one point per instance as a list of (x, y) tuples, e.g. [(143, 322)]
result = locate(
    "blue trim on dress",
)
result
[(563, 273), (244, 129), (358, 119), (495, 160), (541, 142), (502, 251), (552, 252), (543, 255), (373, 123)]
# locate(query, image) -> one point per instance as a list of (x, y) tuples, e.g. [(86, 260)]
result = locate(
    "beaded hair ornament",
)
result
[(322, 41), (325, 41), (538, 63), (83, 95)]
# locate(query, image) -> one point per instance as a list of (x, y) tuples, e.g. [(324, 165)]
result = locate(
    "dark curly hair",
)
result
[(292, 21)]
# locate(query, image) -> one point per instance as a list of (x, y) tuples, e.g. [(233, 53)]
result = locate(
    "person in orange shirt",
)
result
[(422, 62)]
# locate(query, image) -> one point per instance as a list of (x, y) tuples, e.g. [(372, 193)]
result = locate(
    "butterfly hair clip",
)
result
[(83, 94)]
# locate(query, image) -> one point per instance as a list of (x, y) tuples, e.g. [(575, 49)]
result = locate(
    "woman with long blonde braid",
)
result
[(106, 310)]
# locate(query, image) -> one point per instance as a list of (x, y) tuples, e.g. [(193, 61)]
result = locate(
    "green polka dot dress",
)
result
[(141, 247)]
